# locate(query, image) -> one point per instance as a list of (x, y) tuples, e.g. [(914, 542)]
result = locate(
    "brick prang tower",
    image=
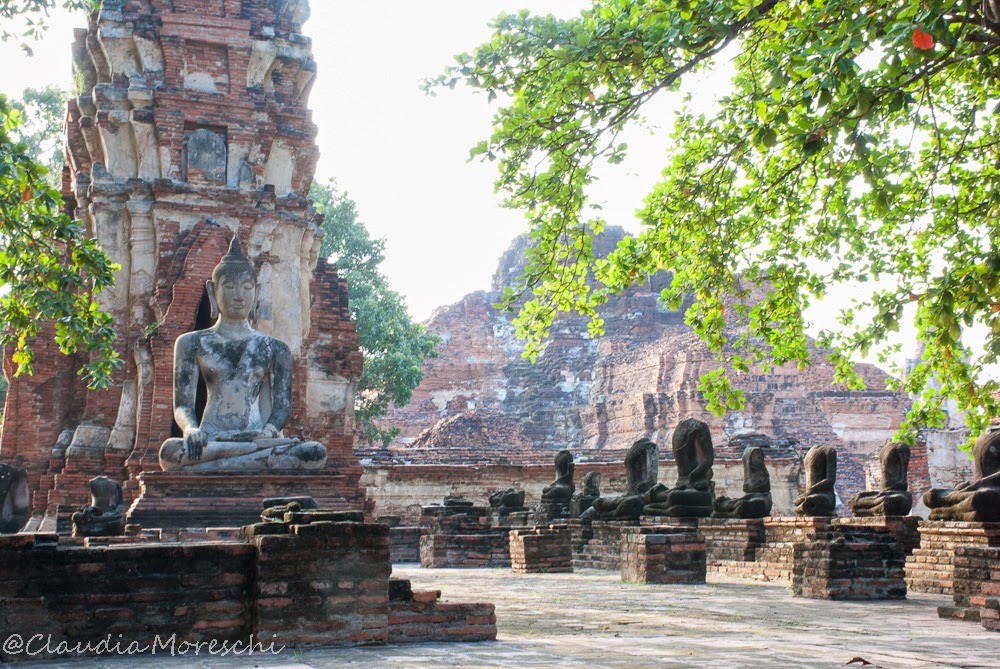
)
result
[(191, 123)]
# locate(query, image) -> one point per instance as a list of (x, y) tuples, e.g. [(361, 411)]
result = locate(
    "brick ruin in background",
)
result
[(189, 112), (480, 402)]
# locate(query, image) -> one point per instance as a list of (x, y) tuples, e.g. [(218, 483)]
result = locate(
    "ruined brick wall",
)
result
[(481, 400), (189, 111)]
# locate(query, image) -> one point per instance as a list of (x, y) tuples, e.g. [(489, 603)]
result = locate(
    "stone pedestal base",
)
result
[(177, 500), (849, 562), (541, 551), (662, 555), (975, 587), (904, 529), (732, 540), (930, 567), (465, 550), (599, 546), (404, 544)]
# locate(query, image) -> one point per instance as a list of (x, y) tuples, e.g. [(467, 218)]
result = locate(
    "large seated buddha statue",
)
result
[(248, 376), (894, 499), (978, 501), (693, 495)]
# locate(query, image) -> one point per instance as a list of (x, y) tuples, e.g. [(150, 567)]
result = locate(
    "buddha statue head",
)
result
[(232, 290)]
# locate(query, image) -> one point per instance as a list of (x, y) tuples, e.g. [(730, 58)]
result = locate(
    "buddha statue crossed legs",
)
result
[(248, 378)]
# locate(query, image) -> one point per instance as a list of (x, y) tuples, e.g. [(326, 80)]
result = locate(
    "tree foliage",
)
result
[(43, 113), (50, 271), (394, 347), (858, 148)]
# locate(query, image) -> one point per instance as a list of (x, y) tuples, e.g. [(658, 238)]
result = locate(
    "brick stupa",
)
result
[(192, 124)]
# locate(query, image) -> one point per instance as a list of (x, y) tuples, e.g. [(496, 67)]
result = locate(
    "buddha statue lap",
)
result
[(756, 502), (642, 466), (978, 501), (693, 496), (894, 499), (248, 378), (820, 498)]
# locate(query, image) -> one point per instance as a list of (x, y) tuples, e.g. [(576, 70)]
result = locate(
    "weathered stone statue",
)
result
[(894, 499), (978, 501), (507, 501), (756, 502), (248, 376), (561, 490), (15, 499), (820, 498), (105, 516), (585, 499), (693, 496), (642, 463)]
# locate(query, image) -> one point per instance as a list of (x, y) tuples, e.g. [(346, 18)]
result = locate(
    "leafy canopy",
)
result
[(50, 270), (859, 147), (394, 347)]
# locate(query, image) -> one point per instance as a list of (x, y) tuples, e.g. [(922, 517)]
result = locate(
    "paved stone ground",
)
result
[(591, 619)]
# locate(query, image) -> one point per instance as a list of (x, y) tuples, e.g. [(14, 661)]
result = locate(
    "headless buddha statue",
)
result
[(561, 490), (642, 464), (248, 376), (978, 501), (894, 499), (756, 502), (693, 495), (820, 498)]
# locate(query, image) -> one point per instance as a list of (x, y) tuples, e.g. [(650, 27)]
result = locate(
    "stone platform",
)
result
[(188, 499), (319, 578), (598, 544), (591, 619), (465, 551), (849, 562), (930, 567), (975, 586), (541, 550), (663, 554)]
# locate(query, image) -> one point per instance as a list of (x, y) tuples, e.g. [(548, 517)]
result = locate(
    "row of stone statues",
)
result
[(693, 494)]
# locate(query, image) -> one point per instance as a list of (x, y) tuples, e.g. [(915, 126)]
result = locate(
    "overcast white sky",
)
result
[(400, 154)]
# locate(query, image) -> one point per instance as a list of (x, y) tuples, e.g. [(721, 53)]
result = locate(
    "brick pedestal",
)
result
[(404, 544), (465, 550), (176, 500), (930, 567), (322, 582), (975, 587), (849, 562), (541, 551), (731, 540), (662, 555), (599, 546)]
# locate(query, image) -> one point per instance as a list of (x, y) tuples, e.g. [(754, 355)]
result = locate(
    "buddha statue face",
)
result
[(235, 294), (233, 286)]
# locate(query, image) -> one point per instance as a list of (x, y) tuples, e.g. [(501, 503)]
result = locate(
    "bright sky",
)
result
[(400, 154)]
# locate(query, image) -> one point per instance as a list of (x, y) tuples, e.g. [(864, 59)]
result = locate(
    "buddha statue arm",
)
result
[(185, 393), (281, 390)]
